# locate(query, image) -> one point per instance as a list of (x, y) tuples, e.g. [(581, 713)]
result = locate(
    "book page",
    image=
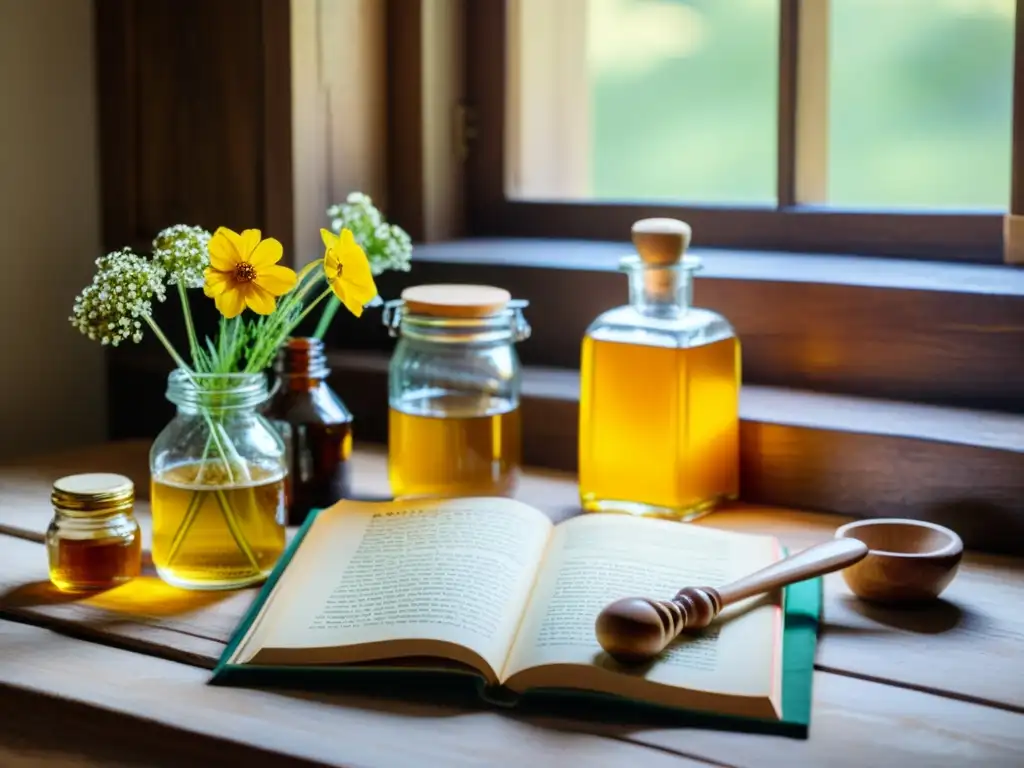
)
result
[(596, 559), (453, 571)]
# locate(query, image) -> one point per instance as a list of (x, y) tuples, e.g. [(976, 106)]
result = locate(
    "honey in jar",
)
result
[(93, 541)]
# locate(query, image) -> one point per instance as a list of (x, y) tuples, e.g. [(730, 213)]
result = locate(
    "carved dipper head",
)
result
[(635, 629)]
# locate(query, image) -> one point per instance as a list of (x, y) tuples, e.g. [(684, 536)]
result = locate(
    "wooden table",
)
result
[(120, 679)]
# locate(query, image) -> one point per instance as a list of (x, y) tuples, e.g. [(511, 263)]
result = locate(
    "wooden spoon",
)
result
[(636, 629)]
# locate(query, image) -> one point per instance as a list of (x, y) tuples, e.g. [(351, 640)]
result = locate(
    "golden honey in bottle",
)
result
[(659, 398), (454, 379)]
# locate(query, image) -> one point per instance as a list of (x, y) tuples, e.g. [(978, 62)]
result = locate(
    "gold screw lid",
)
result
[(99, 492), (454, 300)]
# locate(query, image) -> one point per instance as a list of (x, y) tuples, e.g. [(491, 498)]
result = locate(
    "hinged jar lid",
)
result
[(450, 312), (452, 300)]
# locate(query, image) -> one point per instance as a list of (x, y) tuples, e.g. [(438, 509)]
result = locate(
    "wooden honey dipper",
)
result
[(636, 629)]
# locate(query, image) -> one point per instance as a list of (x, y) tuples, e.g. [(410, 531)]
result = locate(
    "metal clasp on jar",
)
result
[(521, 328), (395, 312)]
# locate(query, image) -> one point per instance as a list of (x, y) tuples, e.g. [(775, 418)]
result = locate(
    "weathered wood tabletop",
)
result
[(121, 678)]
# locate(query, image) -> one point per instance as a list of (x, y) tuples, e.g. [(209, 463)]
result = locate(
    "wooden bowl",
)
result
[(907, 561)]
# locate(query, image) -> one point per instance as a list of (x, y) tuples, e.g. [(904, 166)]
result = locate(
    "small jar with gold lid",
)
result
[(453, 391), (93, 542)]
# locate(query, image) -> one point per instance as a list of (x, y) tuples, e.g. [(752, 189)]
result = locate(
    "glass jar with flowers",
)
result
[(218, 469)]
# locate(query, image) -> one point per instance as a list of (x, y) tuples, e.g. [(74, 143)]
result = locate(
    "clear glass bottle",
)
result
[(318, 428), (659, 399), (93, 541), (453, 391), (217, 484)]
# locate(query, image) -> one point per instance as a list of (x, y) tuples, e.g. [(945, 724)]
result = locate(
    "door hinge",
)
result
[(465, 129)]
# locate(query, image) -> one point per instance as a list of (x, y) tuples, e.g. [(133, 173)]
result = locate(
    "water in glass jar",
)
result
[(208, 535), (453, 445)]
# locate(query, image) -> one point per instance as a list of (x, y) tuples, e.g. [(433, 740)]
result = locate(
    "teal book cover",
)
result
[(802, 604)]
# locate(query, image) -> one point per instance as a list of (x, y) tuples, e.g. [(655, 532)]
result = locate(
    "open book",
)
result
[(490, 587)]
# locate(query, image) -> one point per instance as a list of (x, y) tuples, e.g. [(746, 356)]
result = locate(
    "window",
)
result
[(855, 126), (536, 164), (920, 105)]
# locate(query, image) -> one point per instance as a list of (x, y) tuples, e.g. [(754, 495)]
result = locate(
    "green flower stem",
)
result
[(302, 286), (193, 508), (326, 319), (312, 304), (276, 337), (212, 426), (306, 271), (294, 297), (194, 504), (298, 292), (169, 347), (186, 310), (283, 321), (231, 335), (236, 530)]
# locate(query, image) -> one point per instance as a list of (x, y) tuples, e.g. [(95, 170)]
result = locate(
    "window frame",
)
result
[(928, 330), (788, 226)]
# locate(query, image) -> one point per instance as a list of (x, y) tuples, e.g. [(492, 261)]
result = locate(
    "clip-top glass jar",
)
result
[(453, 391), (93, 542)]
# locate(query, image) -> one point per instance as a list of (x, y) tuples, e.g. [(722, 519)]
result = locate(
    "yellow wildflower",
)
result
[(348, 270), (243, 272)]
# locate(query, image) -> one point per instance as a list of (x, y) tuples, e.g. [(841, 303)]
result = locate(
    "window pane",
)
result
[(684, 99), (920, 97), (663, 100)]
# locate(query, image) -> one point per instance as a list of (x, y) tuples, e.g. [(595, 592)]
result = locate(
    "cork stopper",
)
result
[(661, 245), (449, 300), (661, 242)]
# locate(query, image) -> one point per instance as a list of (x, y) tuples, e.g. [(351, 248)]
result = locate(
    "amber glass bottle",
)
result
[(659, 399), (317, 428)]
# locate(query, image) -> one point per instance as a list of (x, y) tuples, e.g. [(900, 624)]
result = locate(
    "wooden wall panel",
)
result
[(195, 116), (940, 346)]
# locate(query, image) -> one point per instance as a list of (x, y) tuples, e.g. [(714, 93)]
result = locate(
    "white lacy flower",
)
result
[(387, 246), (111, 308), (182, 252)]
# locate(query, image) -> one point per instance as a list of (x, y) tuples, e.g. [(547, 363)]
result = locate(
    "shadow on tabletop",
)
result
[(411, 693), (145, 595), (932, 618), (433, 695)]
